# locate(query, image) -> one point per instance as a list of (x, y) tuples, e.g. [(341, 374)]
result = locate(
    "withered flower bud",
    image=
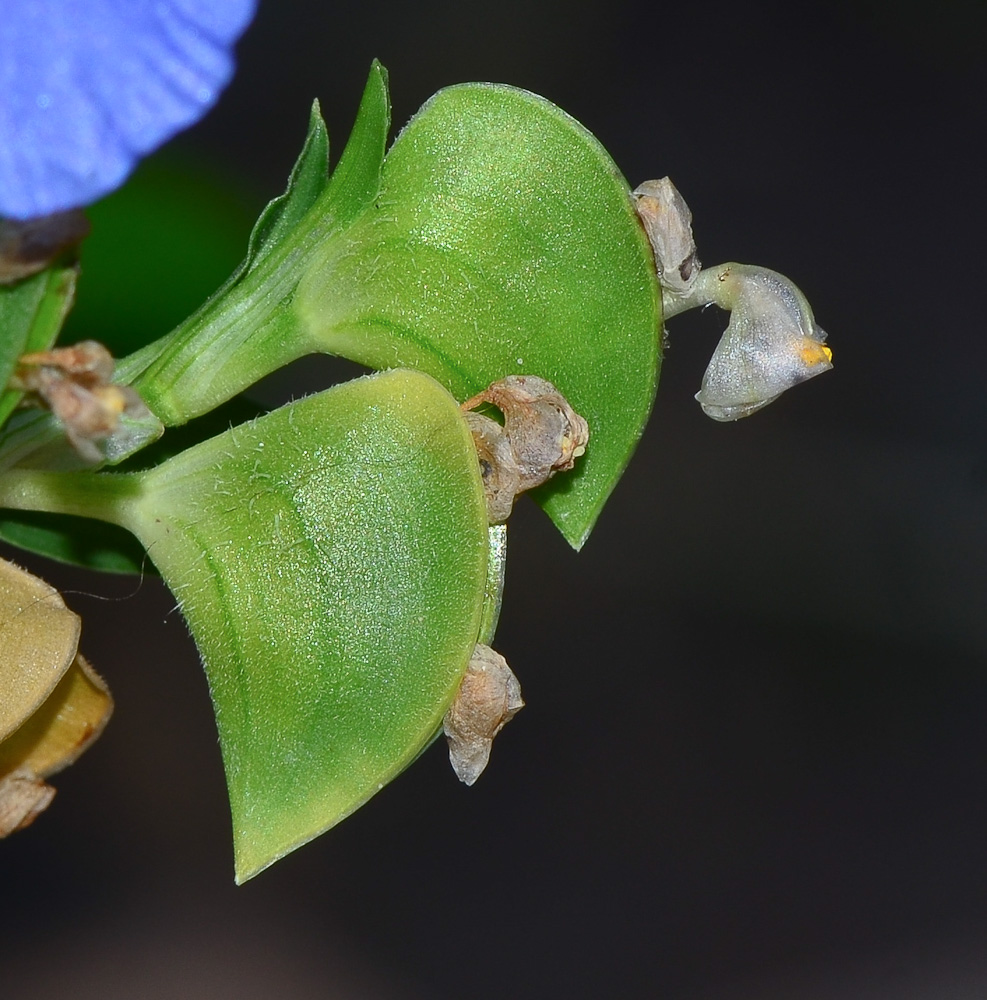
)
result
[(74, 383), (488, 698), (30, 246), (541, 435)]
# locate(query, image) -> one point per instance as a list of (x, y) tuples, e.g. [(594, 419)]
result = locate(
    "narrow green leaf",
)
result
[(75, 540), (356, 180), (31, 314), (503, 241), (331, 561), (307, 181)]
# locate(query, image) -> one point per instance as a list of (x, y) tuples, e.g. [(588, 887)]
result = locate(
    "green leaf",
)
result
[(307, 181), (356, 180), (331, 561), (499, 239), (503, 240), (75, 540), (31, 314)]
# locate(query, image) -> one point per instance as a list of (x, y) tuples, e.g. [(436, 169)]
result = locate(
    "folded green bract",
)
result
[(503, 241), (330, 559), (496, 237)]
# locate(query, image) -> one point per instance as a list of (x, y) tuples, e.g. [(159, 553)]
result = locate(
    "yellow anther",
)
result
[(814, 353)]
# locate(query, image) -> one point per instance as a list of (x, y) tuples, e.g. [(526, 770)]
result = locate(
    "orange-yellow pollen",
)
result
[(814, 353)]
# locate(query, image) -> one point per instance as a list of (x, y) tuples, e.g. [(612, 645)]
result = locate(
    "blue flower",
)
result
[(87, 87)]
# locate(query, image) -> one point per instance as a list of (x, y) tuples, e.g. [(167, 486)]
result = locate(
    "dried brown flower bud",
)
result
[(668, 222), (23, 798), (541, 435), (498, 466), (74, 383), (488, 698)]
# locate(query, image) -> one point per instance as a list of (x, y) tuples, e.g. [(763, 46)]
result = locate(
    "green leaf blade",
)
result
[(331, 561), (307, 181), (504, 241), (355, 182)]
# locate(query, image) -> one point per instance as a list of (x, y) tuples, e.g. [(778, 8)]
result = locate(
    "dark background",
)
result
[(754, 758)]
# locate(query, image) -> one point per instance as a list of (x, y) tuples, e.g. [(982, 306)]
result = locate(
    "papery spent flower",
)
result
[(772, 341), (87, 87), (53, 705)]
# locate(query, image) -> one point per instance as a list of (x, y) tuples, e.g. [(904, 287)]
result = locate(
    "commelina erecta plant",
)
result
[(340, 560)]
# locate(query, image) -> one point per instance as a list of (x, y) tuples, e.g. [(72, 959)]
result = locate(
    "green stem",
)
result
[(250, 327), (707, 289), (104, 496), (493, 594)]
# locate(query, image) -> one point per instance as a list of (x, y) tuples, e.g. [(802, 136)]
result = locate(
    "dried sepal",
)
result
[(668, 222), (64, 727), (53, 705), (541, 435), (488, 698), (75, 384), (39, 638), (23, 797), (29, 246)]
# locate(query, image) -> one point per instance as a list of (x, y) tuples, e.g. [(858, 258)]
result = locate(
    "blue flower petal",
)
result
[(87, 87)]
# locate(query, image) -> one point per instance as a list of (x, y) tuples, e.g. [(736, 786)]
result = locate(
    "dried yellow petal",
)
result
[(53, 704), (39, 637), (70, 720)]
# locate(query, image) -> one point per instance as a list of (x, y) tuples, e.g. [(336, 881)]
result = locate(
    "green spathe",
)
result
[(330, 559), (503, 240)]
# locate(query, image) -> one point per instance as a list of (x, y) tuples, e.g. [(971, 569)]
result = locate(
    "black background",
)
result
[(754, 758)]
